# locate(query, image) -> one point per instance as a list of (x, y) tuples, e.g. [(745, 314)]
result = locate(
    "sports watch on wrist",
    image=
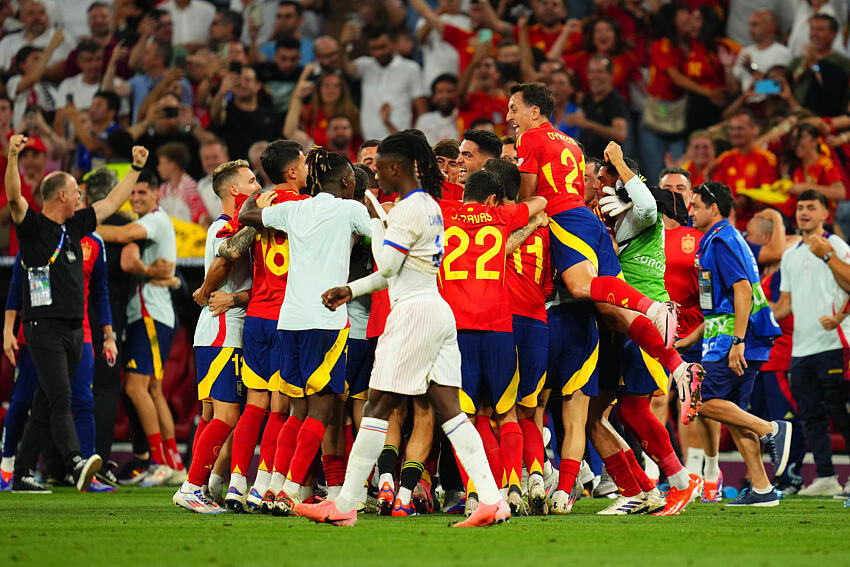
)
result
[(737, 340)]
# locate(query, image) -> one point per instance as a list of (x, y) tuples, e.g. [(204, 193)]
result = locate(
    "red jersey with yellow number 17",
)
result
[(529, 276), (472, 273), (558, 162), (271, 263)]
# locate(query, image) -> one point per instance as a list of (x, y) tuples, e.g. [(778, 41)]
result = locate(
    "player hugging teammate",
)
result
[(483, 307)]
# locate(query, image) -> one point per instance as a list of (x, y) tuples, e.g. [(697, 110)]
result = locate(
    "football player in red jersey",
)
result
[(476, 147), (527, 268), (472, 281), (285, 164), (583, 258)]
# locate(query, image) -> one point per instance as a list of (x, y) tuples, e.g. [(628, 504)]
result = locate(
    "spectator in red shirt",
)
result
[(549, 16), (480, 92), (604, 36), (699, 156), (704, 68), (665, 88), (340, 136), (330, 96), (33, 165), (814, 170), (745, 166)]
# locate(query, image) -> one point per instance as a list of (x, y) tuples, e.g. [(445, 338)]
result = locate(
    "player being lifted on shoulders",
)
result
[(472, 281), (418, 352), (218, 343), (552, 165)]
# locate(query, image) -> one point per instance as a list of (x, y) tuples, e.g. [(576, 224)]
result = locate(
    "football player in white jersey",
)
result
[(418, 352), (312, 340), (218, 343), (150, 324)]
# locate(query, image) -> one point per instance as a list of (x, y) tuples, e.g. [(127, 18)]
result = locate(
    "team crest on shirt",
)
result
[(86, 250), (751, 170), (688, 244)]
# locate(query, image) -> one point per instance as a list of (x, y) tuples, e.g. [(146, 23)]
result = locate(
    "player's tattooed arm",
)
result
[(520, 235), (233, 248)]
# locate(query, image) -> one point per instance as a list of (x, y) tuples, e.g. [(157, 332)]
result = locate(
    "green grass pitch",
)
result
[(142, 527)]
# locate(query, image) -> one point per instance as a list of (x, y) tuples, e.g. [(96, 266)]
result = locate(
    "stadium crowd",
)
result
[(630, 231)]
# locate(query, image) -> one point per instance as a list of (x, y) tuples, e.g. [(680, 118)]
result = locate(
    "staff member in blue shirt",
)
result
[(739, 333)]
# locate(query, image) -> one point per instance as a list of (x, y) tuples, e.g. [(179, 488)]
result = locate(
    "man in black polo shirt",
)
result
[(603, 114), (52, 312)]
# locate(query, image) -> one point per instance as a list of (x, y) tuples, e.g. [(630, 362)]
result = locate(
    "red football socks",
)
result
[(286, 441), (642, 423), (464, 478), (618, 469), (638, 473), (491, 449), (209, 445), (647, 337), (198, 432), (568, 472), (532, 446), (245, 438), (268, 444), (510, 438), (334, 466), (307, 446), (609, 289), (172, 454), (157, 451), (348, 431)]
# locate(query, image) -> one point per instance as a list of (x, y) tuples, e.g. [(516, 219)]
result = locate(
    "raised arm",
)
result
[(292, 123), (775, 247), (121, 192), (491, 20), (429, 15), (17, 204), (37, 72)]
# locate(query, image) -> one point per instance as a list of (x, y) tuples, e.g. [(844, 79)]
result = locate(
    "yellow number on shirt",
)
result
[(481, 271), (462, 246), (536, 250), (568, 161), (276, 255)]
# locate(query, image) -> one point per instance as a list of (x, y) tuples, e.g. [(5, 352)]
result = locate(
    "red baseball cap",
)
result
[(36, 144)]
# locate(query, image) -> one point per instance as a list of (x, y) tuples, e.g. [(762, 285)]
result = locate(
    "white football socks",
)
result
[(239, 482), (469, 449), (216, 484), (364, 454), (694, 460), (712, 468), (276, 484), (261, 483)]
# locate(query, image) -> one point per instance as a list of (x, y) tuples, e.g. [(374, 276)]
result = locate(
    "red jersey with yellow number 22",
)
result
[(472, 273), (558, 162)]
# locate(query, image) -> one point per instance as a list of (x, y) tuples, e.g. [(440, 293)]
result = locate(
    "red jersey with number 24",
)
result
[(558, 162), (472, 274)]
